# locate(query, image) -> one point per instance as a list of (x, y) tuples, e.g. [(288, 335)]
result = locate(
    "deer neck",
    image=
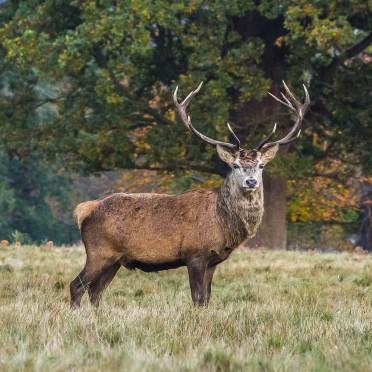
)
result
[(240, 211)]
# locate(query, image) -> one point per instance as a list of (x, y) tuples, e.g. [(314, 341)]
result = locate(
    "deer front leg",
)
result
[(197, 270), (208, 281)]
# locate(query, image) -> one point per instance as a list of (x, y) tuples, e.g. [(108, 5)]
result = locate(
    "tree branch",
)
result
[(328, 72), (357, 48), (148, 110)]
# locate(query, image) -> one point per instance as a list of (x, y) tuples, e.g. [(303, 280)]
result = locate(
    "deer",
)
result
[(198, 229)]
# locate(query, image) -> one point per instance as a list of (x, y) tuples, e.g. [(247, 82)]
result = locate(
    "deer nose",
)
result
[(251, 183)]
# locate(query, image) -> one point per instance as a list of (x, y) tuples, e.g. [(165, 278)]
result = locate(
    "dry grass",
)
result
[(270, 311)]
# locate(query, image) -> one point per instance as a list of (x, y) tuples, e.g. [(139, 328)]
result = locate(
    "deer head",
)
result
[(247, 165)]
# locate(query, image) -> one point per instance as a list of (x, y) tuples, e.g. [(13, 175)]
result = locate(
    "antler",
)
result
[(297, 108), (181, 108)]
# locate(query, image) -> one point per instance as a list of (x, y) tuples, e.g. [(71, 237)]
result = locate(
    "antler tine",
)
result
[(186, 119), (191, 95), (290, 106), (297, 108), (287, 100), (290, 94), (233, 134), (267, 139), (307, 97), (291, 139)]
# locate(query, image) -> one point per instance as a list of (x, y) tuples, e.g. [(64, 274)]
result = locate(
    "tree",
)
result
[(365, 233), (113, 66), (33, 196)]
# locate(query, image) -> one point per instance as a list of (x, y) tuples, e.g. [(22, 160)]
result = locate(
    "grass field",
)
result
[(270, 311)]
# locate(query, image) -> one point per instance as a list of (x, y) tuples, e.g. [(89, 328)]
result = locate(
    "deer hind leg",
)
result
[(78, 287), (92, 271), (97, 287), (197, 271)]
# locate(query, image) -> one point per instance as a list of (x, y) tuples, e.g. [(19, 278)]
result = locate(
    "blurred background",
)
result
[(86, 109)]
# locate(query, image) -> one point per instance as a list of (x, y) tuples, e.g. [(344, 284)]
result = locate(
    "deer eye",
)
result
[(236, 166), (261, 166)]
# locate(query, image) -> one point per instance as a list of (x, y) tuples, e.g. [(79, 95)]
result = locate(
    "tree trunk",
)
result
[(273, 230), (253, 115), (366, 218)]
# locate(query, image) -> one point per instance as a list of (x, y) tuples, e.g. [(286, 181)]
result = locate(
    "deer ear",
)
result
[(225, 154), (270, 153)]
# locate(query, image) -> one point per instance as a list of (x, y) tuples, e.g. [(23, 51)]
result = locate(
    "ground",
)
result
[(270, 311)]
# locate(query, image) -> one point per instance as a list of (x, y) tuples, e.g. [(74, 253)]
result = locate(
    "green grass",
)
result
[(270, 311)]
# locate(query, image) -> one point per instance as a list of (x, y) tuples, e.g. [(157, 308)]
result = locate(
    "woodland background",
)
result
[(86, 109)]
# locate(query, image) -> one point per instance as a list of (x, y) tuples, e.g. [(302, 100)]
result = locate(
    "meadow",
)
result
[(270, 311)]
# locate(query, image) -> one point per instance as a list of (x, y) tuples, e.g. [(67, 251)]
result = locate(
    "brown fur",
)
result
[(197, 229), (83, 210), (152, 232)]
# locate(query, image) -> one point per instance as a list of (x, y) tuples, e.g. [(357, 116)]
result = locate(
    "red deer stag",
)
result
[(198, 229)]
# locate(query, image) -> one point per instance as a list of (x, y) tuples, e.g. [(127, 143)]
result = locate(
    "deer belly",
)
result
[(151, 267)]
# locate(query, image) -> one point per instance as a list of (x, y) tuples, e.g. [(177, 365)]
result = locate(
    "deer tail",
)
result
[(83, 210)]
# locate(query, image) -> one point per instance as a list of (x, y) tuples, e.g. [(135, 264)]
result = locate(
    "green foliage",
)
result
[(20, 237), (7, 204), (88, 84), (32, 198), (320, 235), (114, 66)]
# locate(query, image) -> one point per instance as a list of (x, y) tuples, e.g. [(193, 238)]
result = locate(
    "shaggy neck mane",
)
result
[(240, 212)]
